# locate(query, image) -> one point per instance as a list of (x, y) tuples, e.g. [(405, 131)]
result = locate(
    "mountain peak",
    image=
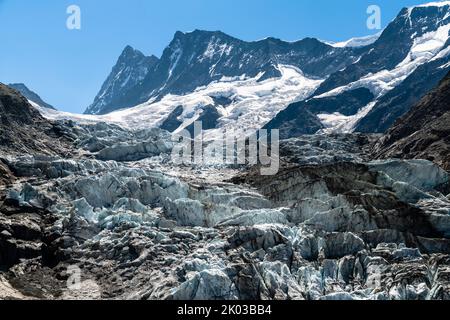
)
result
[(128, 48), (356, 42), (206, 32), (18, 86), (30, 95), (202, 34), (130, 52), (437, 4), (131, 68), (197, 58)]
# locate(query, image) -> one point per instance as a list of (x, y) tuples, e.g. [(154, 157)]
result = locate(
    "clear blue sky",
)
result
[(68, 67)]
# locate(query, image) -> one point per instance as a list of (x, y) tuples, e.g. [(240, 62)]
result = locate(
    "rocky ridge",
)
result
[(24, 130), (423, 132), (406, 61), (198, 58), (30, 95)]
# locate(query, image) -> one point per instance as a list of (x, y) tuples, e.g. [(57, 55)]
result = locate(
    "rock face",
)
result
[(24, 130), (198, 58), (401, 99), (424, 132), (172, 122), (130, 70), (401, 66), (30, 95), (301, 117), (5, 174), (410, 24), (21, 236)]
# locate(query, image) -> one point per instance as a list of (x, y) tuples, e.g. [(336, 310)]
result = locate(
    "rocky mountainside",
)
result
[(30, 95), (6, 176), (24, 130), (409, 58), (424, 132), (130, 70), (394, 44), (301, 117), (399, 100), (198, 58), (340, 87)]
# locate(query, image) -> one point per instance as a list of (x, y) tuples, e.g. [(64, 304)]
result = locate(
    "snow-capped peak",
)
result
[(432, 4), (438, 4), (242, 104)]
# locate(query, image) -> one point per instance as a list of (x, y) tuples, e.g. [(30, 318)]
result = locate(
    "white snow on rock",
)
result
[(430, 4), (426, 48), (337, 122), (356, 42), (253, 103)]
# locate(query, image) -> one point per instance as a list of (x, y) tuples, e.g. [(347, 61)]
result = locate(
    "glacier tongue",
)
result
[(329, 225)]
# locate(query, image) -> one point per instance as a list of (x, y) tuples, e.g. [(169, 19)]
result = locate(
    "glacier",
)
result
[(329, 226), (252, 104)]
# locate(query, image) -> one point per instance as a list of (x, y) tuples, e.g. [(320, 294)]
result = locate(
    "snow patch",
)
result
[(337, 122), (356, 42)]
